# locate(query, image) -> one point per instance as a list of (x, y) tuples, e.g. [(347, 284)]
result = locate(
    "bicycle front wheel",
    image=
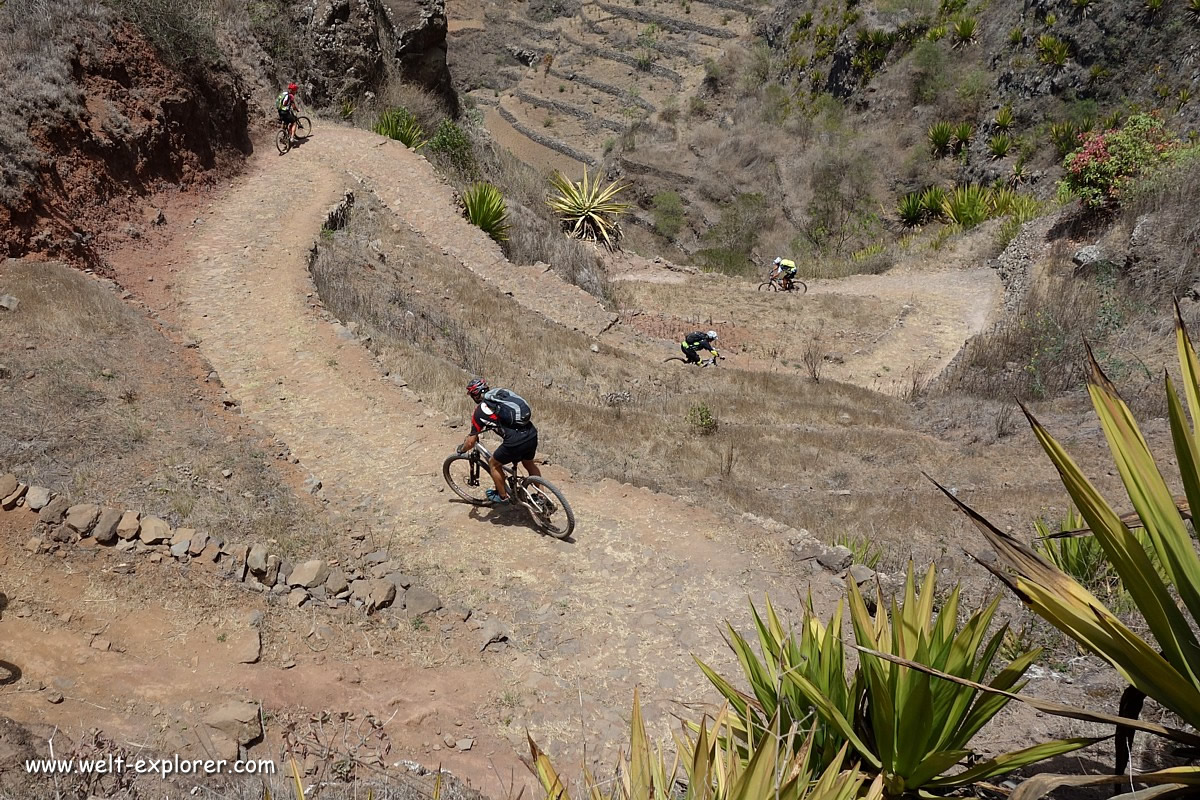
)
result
[(303, 128), (550, 510), (467, 478), (283, 142), (768, 286)]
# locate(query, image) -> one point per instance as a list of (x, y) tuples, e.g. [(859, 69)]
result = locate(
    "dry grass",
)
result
[(785, 447), (108, 416), (1170, 198)]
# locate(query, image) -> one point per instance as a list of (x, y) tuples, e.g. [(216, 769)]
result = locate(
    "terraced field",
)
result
[(559, 90)]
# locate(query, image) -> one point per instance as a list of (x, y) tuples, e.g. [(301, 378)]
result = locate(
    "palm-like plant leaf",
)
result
[(485, 208), (588, 209)]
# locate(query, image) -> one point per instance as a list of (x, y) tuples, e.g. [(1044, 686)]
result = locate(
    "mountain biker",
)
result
[(520, 441), (695, 342), (287, 104), (785, 268)]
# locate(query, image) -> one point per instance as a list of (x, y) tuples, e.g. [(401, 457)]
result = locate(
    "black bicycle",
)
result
[(468, 476), (777, 285), (303, 131), (704, 362)]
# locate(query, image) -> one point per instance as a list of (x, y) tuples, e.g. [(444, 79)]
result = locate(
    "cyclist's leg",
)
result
[(527, 453), (497, 469), (691, 355)]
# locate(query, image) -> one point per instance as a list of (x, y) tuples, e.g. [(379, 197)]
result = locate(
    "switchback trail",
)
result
[(629, 603)]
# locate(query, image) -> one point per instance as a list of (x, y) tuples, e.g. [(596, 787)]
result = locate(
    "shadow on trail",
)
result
[(511, 517)]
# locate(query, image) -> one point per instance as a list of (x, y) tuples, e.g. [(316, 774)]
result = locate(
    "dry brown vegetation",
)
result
[(100, 406)]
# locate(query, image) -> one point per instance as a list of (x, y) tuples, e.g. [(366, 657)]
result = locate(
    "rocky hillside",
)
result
[(107, 102)]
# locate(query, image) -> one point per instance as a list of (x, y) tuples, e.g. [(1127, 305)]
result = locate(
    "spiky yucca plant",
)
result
[(967, 205), (1052, 51), (587, 209), (715, 768), (933, 200), (485, 209), (401, 125), (909, 727), (964, 31), (912, 212), (941, 135), (963, 133), (999, 145), (1004, 118), (1166, 665)]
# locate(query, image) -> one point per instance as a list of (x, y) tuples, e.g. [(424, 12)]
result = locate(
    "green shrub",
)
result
[(452, 147), (967, 206), (1004, 118), (1065, 136), (668, 214), (702, 419), (1153, 7), (936, 33), (1016, 36), (999, 145), (1106, 162), (911, 210), (963, 132), (1052, 51), (965, 30), (400, 124), (941, 136), (929, 71), (486, 210), (731, 241)]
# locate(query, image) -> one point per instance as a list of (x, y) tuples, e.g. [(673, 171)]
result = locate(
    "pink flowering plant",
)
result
[(1108, 161)]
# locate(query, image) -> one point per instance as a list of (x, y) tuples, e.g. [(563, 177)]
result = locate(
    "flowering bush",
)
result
[(1103, 166)]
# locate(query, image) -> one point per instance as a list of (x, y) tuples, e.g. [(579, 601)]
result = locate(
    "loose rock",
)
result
[(154, 531), (836, 558), (128, 527), (860, 573), (309, 574), (37, 497), (256, 560), (381, 594), (418, 601), (8, 484), (105, 530), (10, 501), (54, 511)]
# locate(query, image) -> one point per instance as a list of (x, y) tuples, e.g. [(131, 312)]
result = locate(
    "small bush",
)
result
[(1107, 162), (963, 133), (941, 136), (1065, 136), (452, 147), (999, 145), (1052, 51), (965, 30), (911, 210), (1004, 118), (401, 125), (486, 210), (734, 237), (702, 419), (967, 206), (1016, 36), (929, 72), (933, 201), (668, 214)]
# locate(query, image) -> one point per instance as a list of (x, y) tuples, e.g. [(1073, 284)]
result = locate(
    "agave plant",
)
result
[(715, 768), (941, 135), (1165, 667), (909, 727), (1066, 135), (963, 132), (401, 125), (999, 145), (933, 200), (485, 208), (911, 210), (1193, 11), (1004, 118), (1083, 6), (964, 31), (1052, 51), (587, 209), (967, 206)]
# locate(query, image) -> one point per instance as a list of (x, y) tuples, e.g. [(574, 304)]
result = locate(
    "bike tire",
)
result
[(799, 285), (561, 529), (769, 286), (303, 127), (283, 142), (674, 358), (458, 478)]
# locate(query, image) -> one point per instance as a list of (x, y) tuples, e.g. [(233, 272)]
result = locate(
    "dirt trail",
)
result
[(625, 604)]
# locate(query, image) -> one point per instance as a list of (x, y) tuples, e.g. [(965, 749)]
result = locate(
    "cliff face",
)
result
[(359, 44)]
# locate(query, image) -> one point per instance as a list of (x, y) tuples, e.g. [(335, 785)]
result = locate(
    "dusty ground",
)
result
[(629, 602)]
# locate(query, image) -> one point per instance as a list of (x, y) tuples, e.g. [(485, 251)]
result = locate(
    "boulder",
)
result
[(53, 512), (154, 531), (309, 574), (861, 573), (80, 518), (105, 530), (37, 497), (8, 484), (807, 549), (256, 560), (360, 590), (836, 558), (297, 597), (199, 541), (211, 552), (183, 536), (180, 549), (128, 527), (247, 646), (272, 573), (9, 502), (233, 725), (382, 593), (8, 302), (418, 601), (336, 583)]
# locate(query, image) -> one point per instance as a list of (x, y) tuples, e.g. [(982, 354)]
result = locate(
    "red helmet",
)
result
[(292, 87), (477, 387)]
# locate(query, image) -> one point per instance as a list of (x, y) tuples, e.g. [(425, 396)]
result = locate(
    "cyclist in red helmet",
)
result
[(507, 414), (288, 104)]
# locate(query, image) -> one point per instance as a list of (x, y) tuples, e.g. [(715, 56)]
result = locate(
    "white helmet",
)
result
[(712, 336), (778, 260)]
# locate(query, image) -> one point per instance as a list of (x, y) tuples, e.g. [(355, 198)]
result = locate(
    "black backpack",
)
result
[(512, 409)]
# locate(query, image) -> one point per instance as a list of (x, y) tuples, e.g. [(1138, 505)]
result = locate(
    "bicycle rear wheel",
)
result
[(550, 510), (282, 141), (674, 358), (467, 478), (303, 128), (799, 286)]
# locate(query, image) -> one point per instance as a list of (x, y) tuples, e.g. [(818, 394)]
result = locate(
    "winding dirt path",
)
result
[(626, 604)]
